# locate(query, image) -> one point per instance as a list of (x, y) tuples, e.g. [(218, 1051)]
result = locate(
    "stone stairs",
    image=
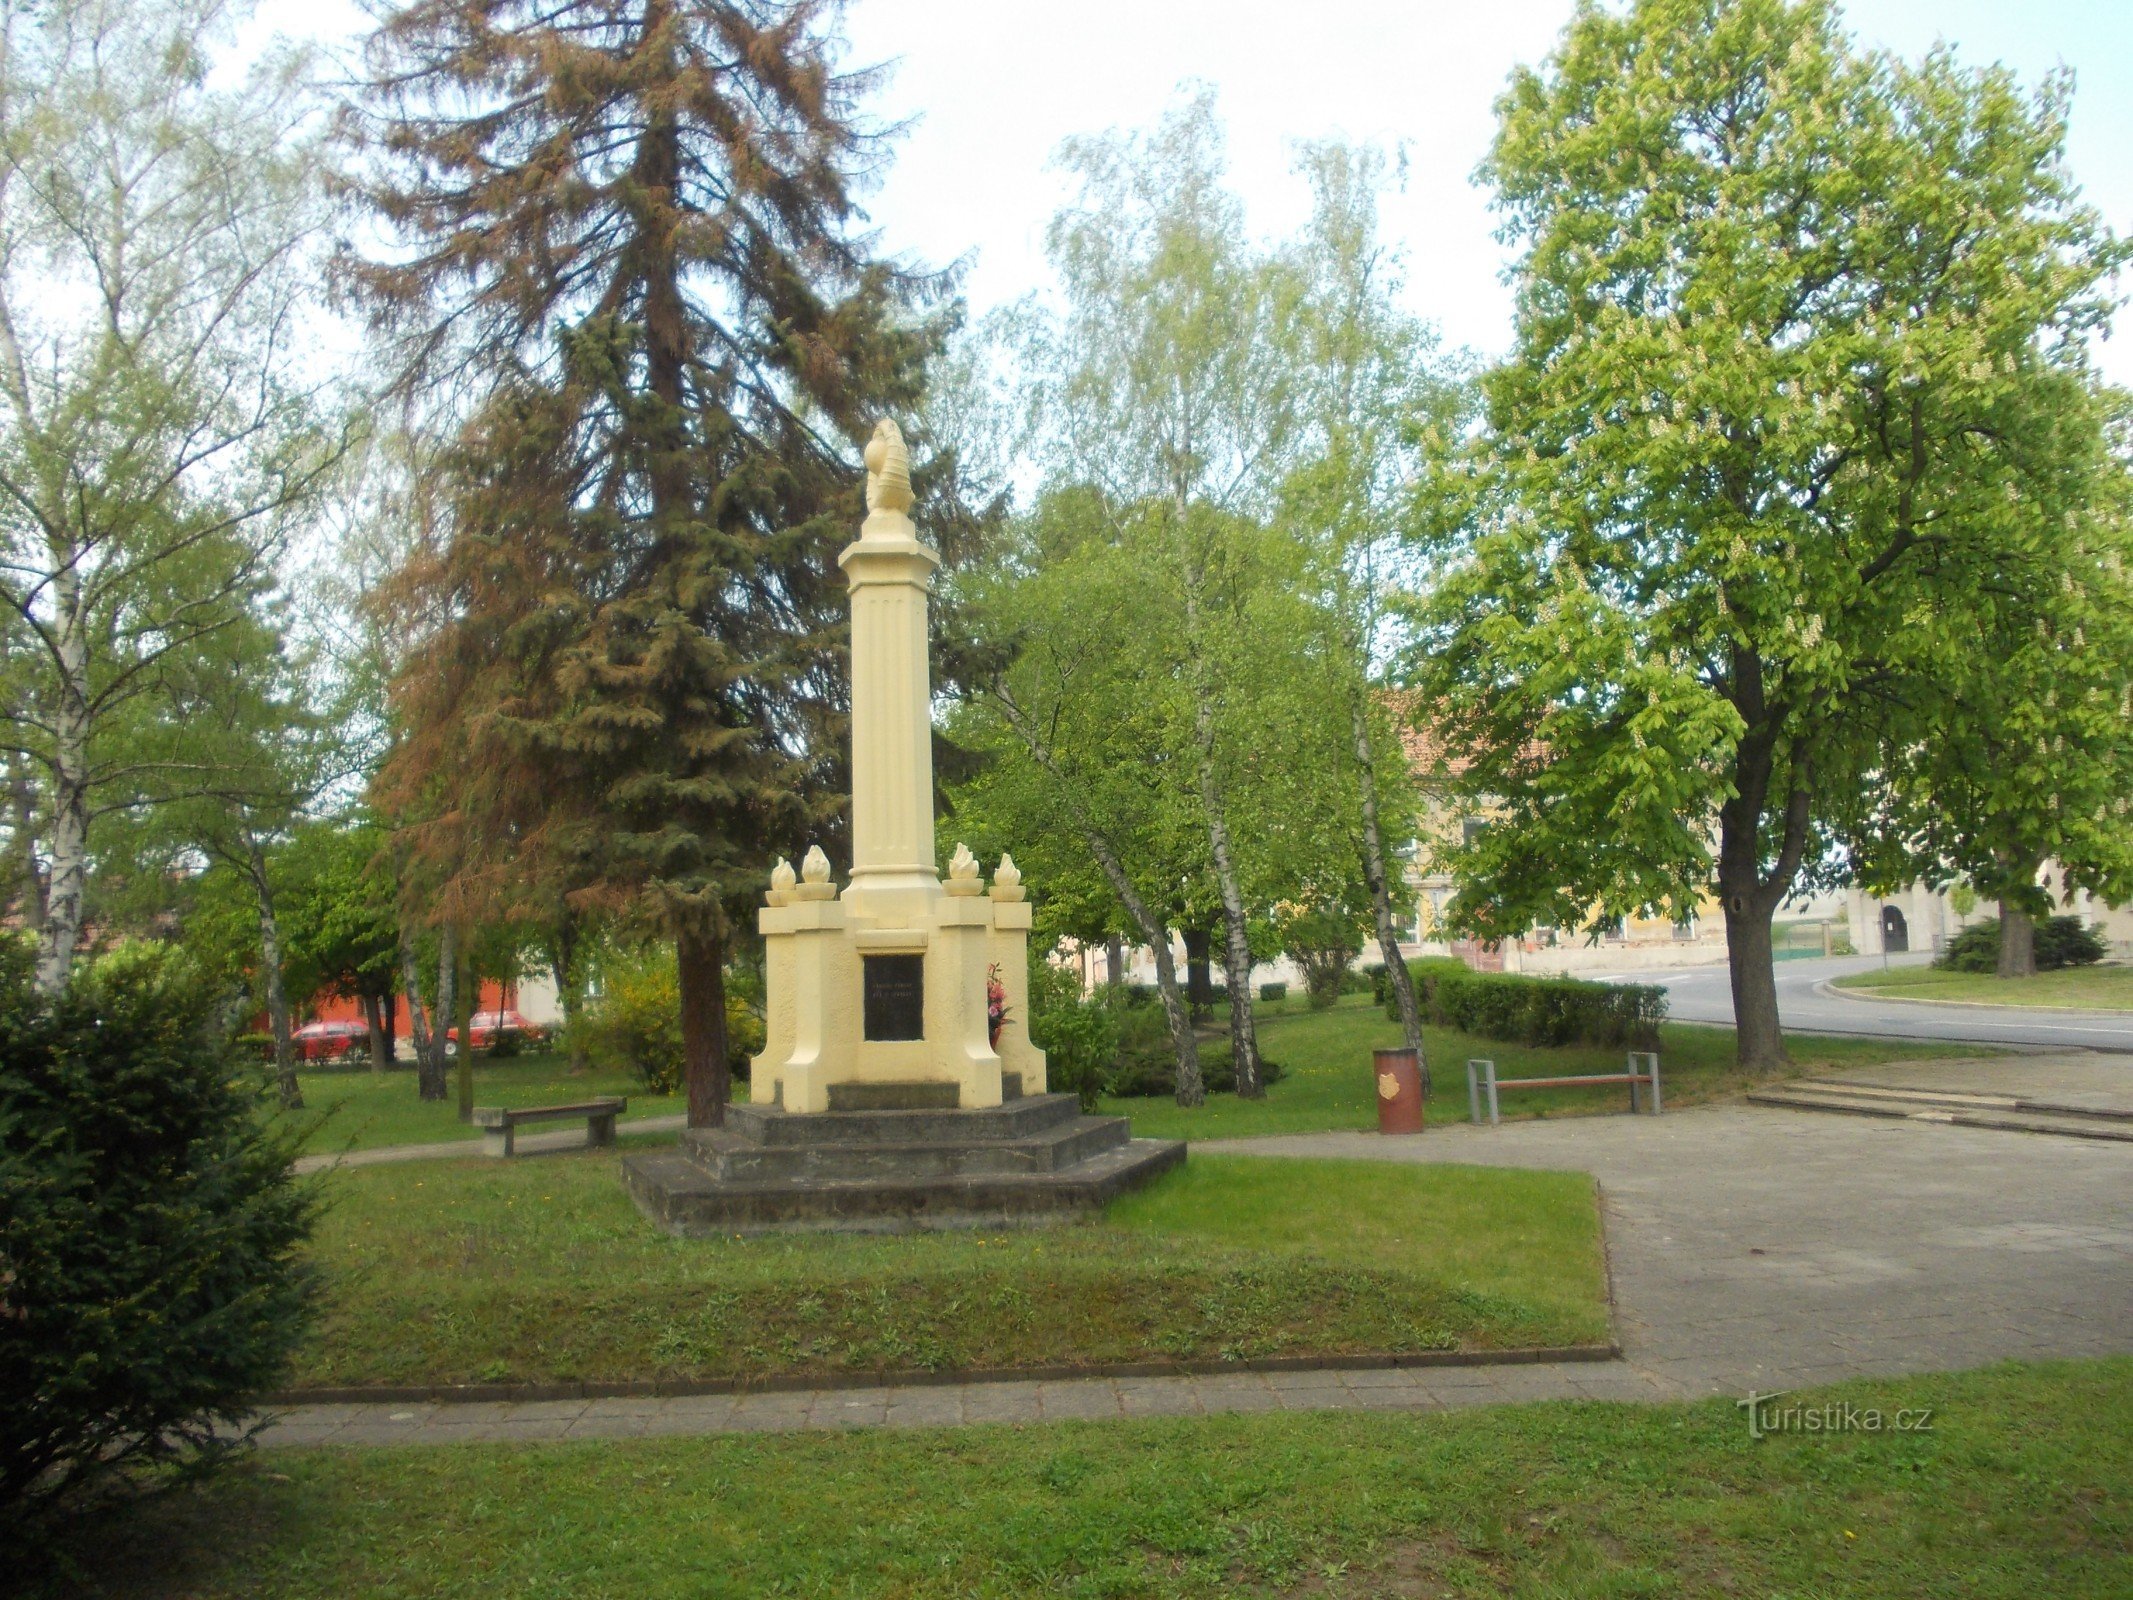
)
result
[(887, 1168), (1962, 1108)]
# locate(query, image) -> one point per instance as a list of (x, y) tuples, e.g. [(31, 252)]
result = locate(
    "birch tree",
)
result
[(155, 263), (1373, 389), (1162, 383)]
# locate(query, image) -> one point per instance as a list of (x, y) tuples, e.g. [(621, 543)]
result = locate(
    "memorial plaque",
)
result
[(895, 997)]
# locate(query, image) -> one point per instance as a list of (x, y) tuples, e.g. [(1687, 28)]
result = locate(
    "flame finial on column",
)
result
[(888, 469)]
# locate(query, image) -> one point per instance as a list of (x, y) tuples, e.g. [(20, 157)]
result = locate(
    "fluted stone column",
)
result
[(890, 570)]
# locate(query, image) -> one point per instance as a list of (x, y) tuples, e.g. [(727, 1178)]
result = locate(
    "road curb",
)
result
[(1828, 988)]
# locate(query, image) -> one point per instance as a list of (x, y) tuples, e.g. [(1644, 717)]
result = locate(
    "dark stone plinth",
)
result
[(1032, 1161)]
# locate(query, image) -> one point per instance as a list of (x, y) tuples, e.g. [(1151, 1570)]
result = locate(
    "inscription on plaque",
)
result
[(895, 997)]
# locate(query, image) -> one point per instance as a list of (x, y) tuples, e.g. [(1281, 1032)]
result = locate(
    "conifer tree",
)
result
[(625, 242)]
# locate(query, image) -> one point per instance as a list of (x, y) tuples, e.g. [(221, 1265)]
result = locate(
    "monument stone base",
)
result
[(891, 1158)]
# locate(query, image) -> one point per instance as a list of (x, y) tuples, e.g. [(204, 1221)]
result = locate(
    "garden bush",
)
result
[(1532, 1010), (634, 1023), (1272, 992), (2061, 942), (1078, 1034), (150, 1230)]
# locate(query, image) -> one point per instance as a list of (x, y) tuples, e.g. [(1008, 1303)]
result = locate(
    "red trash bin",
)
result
[(1399, 1075)]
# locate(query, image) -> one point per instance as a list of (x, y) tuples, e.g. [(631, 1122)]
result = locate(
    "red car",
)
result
[(323, 1041), (486, 1025)]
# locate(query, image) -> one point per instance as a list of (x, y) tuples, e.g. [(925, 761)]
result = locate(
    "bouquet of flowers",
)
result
[(995, 1005)]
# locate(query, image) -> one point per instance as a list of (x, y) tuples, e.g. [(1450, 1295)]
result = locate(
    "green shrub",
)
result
[(1533, 1010), (1273, 992), (150, 1230), (634, 1023), (2061, 942), (504, 1043), (1078, 1034)]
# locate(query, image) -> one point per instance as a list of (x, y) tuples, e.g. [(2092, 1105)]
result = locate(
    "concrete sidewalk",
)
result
[(453, 1149), (1751, 1248)]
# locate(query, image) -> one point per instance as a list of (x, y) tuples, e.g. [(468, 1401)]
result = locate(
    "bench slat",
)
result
[(507, 1116), (1567, 1083)]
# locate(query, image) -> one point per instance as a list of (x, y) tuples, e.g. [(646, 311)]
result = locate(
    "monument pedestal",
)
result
[(897, 1087), (865, 1167)]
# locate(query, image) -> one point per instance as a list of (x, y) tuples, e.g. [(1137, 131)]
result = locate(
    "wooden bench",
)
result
[(499, 1124), (1481, 1073)]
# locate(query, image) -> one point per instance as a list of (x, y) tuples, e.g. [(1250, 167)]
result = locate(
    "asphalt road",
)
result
[(1703, 994)]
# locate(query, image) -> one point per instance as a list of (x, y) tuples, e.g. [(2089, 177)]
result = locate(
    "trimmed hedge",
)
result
[(1531, 1010)]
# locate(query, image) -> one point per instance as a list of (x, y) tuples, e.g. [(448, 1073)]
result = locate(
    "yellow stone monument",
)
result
[(888, 983), (897, 1088)]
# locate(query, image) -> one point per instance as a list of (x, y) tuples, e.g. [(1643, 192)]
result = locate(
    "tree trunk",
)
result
[(292, 1096), (1377, 877), (706, 1068), (2018, 942), (381, 1050), (469, 998), (1199, 982), (392, 1036), (1759, 1040), (1236, 948), (1115, 962), (444, 1013), (70, 789), (23, 802), (569, 987), (1750, 895), (429, 1050)]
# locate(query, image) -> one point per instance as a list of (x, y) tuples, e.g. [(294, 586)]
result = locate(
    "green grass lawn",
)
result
[(1330, 1084), (2023, 1488), (2097, 988), (448, 1271), (1327, 1054), (363, 1110)]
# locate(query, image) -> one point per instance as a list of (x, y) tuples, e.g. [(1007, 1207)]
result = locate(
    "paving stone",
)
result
[(1405, 1397), (1159, 1397), (769, 1413), (1001, 1402), (593, 1426), (1216, 1401), (1380, 1378), (926, 1406), (568, 1410), (625, 1406), (1078, 1397)]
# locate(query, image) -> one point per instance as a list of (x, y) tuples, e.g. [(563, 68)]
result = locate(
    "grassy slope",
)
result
[(363, 1110), (2099, 988), (2021, 1489), (1327, 1054), (541, 1269)]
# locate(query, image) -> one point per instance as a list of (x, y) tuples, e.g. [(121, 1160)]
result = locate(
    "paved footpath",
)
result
[(1751, 1247)]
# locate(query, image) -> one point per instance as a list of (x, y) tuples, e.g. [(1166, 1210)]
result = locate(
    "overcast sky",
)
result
[(992, 86)]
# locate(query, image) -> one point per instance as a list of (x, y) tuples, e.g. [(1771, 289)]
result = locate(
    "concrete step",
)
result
[(1986, 1101), (685, 1199), (926, 1096), (1021, 1118), (1961, 1110), (731, 1156)]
